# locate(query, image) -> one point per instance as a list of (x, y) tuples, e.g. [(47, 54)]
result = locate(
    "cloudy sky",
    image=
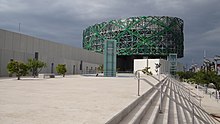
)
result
[(64, 20)]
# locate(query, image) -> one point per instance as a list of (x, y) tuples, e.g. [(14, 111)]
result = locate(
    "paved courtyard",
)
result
[(70, 100), (210, 104)]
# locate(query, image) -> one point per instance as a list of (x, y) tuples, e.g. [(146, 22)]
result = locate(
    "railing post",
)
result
[(189, 94), (138, 83), (193, 114), (200, 101), (161, 93)]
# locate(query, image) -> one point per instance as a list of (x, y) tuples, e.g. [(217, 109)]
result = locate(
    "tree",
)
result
[(61, 69), (217, 82), (34, 65), (200, 78), (19, 68), (206, 77), (185, 75), (212, 77)]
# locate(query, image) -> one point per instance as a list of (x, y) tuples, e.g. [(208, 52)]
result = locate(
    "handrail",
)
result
[(205, 114), (209, 92), (174, 100), (190, 93), (194, 105), (189, 90)]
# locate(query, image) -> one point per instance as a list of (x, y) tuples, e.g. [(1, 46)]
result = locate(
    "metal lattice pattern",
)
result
[(151, 36)]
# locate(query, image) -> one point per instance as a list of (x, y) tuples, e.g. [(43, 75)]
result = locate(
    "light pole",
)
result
[(19, 27)]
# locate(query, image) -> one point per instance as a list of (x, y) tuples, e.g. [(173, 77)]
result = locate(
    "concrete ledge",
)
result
[(46, 75), (152, 112)]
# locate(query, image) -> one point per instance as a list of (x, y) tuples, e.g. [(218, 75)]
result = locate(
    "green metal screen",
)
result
[(145, 35)]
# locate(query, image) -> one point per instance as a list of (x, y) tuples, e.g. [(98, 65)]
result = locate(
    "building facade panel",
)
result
[(36, 43), (2, 39), (44, 47), (16, 42), (76, 54), (1, 61), (8, 41), (24, 43), (52, 49), (49, 52), (7, 55), (19, 56), (30, 44)]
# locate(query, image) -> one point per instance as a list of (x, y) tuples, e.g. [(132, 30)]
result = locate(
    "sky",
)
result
[(63, 21)]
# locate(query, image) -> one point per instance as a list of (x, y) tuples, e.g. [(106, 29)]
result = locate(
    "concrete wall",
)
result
[(22, 47), (140, 64)]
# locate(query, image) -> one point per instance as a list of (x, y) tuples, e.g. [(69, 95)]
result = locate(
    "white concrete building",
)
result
[(21, 47), (140, 64)]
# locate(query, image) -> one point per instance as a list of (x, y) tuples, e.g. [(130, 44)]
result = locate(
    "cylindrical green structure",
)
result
[(138, 37)]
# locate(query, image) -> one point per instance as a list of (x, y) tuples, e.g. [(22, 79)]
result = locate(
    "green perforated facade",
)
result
[(145, 36)]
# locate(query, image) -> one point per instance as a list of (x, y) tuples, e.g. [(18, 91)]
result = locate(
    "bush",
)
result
[(34, 65), (18, 68), (61, 69)]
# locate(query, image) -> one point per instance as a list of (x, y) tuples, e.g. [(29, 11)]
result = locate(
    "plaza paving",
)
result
[(210, 104), (70, 100)]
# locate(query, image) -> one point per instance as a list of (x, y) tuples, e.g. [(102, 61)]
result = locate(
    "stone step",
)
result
[(180, 111), (172, 117), (135, 116), (162, 118), (145, 110), (186, 113), (153, 111), (135, 111), (198, 111)]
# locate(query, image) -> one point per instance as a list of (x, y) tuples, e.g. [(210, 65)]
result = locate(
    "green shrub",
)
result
[(34, 65), (61, 69), (18, 68)]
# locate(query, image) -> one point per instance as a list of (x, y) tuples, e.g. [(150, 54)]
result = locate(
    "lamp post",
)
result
[(19, 27)]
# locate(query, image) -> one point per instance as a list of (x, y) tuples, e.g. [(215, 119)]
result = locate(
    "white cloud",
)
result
[(9, 6), (212, 35)]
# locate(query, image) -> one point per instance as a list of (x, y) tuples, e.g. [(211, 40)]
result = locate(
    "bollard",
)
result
[(138, 83)]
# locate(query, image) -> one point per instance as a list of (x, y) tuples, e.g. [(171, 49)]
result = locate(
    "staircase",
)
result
[(179, 106)]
